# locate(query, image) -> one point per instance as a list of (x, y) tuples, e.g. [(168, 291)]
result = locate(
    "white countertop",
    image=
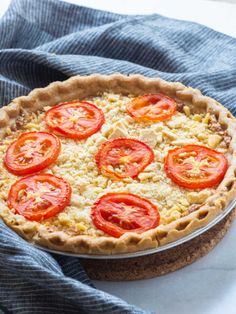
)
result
[(209, 285)]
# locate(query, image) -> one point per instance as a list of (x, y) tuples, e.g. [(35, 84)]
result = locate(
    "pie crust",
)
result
[(80, 87)]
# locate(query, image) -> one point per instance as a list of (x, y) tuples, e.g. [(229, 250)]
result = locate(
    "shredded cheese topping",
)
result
[(76, 163)]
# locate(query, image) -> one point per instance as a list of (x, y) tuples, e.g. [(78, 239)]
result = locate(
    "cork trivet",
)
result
[(161, 263)]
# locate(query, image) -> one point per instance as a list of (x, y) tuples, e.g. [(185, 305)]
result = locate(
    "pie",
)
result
[(114, 164)]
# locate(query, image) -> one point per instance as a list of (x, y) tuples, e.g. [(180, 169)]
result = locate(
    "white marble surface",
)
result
[(206, 287), (209, 285)]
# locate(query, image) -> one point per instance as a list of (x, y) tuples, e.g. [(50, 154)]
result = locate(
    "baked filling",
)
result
[(76, 162)]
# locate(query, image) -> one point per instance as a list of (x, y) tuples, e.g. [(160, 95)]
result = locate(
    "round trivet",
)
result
[(160, 263)]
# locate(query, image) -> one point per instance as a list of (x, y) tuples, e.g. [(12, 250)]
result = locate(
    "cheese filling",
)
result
[(76, 163)]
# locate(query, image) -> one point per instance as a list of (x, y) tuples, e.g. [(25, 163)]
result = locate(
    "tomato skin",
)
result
[(151, 108), (132, 221), (58, 197), (35, 163), (62, 111), (140, 153), (180, 175)]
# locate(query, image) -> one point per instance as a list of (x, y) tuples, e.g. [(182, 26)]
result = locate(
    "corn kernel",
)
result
[(197, 117), (206, 119), (187, 110), (8, 131), (80, 226)]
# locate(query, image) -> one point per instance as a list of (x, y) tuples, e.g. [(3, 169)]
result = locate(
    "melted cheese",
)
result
[(76, 163)]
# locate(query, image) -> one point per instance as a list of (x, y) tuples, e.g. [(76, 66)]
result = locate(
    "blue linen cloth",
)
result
[(47, 40)]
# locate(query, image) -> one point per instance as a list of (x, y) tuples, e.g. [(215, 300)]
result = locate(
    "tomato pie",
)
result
[(114, 164)]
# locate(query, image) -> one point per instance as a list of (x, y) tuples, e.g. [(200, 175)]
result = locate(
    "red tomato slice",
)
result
[(75, 119), (40, 196), (195, 166), (32, 152), (151, 107), (123, 157), (118, 213)]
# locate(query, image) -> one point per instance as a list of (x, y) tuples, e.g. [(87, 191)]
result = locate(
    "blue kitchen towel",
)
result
[(47, 40)]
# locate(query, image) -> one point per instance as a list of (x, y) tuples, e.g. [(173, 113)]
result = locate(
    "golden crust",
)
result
[(81, 87)]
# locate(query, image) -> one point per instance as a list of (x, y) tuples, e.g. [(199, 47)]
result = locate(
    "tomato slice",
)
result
[(40, 196), (118, 213), (31, 152), (195, 166), (75, 119), (151, 107), (123, 157)]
